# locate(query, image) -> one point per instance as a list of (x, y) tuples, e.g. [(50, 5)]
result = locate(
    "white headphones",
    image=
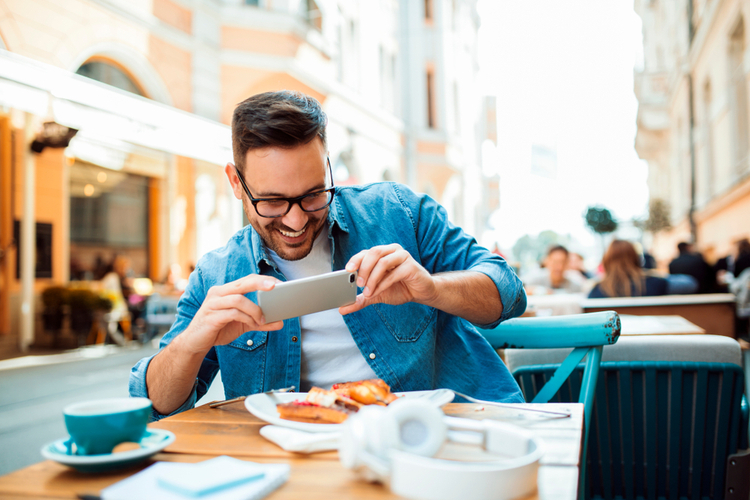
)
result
[(394, 445)]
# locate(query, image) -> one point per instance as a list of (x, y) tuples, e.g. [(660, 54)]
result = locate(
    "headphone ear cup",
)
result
[(366, 439), (421, 429)]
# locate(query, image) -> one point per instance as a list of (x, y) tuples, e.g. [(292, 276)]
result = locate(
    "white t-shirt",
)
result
[(329, 353)]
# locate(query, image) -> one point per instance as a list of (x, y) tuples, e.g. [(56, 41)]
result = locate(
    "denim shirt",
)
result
[(410, 346)]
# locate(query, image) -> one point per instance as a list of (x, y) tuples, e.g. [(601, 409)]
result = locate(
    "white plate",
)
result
[(263, 406), (153, 441)]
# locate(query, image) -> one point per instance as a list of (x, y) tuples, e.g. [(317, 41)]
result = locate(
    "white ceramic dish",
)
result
[(153, 441), (263, 406)]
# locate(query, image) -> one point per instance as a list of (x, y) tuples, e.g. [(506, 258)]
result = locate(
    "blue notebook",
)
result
[(220, 478)]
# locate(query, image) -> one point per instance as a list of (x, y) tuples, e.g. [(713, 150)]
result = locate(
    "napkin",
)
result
[(300, 441)]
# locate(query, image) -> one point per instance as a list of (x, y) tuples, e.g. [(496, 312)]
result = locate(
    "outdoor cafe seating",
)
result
[(670, 419), (649, 417)]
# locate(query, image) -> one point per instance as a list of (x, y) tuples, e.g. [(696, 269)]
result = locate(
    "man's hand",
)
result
[(226, 314), (389, 275)]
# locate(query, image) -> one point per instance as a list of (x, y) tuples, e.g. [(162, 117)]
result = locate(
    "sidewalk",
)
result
[(51, 357)]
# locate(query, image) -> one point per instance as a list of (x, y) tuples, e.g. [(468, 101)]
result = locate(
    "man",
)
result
[(422, 281), (555, 275), (692, 264)]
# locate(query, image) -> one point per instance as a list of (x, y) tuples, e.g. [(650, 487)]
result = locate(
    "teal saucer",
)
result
[(153, 441)]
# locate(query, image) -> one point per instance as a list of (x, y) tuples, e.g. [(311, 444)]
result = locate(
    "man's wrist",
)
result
[(182, 346)]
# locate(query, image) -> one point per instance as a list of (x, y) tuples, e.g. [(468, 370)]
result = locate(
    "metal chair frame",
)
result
[(586, 333)]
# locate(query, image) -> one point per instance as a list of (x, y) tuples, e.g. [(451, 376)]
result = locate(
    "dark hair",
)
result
[(283, 119), (743, 246), (558, 248), (683, 247)]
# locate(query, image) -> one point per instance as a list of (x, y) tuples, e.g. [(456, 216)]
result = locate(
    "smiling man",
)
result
[(423, 281)]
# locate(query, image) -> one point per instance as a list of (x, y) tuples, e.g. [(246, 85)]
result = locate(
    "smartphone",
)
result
[(295, 298)]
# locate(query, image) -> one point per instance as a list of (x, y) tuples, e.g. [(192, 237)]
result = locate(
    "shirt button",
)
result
[(372, 355), (249, 342), (294, 339)]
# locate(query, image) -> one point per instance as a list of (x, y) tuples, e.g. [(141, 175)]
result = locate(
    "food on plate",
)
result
[(333, 407), (373, 391)]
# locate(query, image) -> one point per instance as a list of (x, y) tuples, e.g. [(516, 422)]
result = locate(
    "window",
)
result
[(708, 146), (311, 13), (108, 215), (252, 3), (43, 265), (110, 74), (738, 97), (431, 119)]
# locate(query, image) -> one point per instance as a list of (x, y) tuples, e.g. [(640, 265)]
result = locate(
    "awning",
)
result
[(109, 114)]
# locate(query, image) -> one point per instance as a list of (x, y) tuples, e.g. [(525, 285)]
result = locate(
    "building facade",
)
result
[(693, 120), (151, 87)]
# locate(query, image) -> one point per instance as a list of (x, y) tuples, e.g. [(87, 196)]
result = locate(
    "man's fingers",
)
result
[(371, 259), (246, 284), (240, 303), (384, 268), (355, 261)]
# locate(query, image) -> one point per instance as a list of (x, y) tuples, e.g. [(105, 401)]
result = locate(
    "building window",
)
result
[(110, 74), (43, 265), (311, 13), (431, 118), (708, 140), (738, 97), (108, 217)]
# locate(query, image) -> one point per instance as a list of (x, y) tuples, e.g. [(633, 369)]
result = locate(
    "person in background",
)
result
[(555, 274), (692, 263), (575, 263), (623, 275), (730, 267)]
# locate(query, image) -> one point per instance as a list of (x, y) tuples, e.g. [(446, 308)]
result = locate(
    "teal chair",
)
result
[(669, 422), (586, 334)]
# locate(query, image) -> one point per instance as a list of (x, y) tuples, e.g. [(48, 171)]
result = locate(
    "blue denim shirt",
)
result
[(410, 346)]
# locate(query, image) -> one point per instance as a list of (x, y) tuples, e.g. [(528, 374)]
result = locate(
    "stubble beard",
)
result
[(269, 234)]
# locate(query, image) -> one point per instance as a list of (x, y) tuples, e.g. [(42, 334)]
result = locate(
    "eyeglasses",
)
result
[(279, 207)]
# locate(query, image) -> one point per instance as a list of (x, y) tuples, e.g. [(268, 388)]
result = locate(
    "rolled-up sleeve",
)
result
[(187, 307), (445, 247)]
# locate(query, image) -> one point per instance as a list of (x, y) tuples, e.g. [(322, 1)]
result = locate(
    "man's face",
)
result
[(284, 173), (556, 262)]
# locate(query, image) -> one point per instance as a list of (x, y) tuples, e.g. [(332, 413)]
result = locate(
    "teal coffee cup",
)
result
[(96, 427)]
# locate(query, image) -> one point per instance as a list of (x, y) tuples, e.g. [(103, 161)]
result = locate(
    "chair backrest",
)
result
[(659, 429), (703, 348), (585, 333)]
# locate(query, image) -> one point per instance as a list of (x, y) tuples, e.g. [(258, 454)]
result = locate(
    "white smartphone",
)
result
[(295, 298)]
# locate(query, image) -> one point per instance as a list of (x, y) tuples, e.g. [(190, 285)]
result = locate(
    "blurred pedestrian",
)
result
[(623, 275), (575, 263), (555, 275), (692, 263)]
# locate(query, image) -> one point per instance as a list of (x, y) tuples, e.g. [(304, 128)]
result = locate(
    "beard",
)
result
[(290, 251)]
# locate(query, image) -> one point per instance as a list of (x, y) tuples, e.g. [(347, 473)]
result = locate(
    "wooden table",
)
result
[(658, 325), (714, 312), (230, 430)]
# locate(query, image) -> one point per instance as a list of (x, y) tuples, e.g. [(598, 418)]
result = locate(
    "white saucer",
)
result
[(153, 441), (263, 406)]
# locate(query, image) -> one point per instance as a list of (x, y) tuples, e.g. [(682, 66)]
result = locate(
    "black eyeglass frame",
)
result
[(290, 201)]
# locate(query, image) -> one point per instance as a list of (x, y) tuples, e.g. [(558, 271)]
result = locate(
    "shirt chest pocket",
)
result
[(407, 322), (243, 363)]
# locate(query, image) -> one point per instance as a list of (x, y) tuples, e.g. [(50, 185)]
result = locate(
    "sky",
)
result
[(562, 73)]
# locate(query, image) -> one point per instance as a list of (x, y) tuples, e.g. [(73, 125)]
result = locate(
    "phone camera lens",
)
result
[(351, 278)]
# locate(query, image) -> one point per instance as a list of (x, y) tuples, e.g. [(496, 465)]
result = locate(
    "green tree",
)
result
[(600, 221)]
